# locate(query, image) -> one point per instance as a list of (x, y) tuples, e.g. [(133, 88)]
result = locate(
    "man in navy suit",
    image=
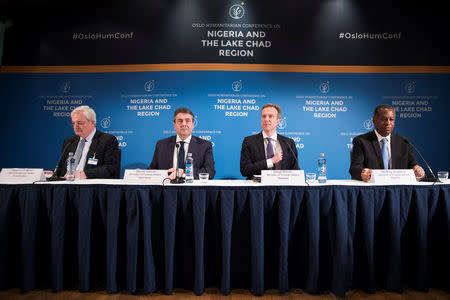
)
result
[(368, 153), (267, 149), (165, 155), (98, 154)]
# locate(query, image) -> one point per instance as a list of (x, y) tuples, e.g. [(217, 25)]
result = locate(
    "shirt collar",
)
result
[(379, 137), (91, 135), (187, 141), (272, 137)]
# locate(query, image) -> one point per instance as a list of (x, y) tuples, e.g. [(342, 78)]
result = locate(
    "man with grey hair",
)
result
[(96, 153)]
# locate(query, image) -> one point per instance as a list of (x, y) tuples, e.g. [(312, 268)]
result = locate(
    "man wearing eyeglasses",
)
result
[(96, 153), (167, 156)]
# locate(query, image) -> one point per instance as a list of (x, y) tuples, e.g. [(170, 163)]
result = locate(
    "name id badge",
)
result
[(92, 161)]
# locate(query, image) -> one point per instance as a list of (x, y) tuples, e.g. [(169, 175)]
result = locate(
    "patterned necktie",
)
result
[(385, 153), (79, 152), (269, 149), (181, 155)]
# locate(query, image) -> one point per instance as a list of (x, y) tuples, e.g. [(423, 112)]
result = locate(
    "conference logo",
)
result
[(237, 11), (237, 86), (368, 124), (149, 86), (195, 121), (410, 87), (324, 87), (105, 122), (65, 87), (282, 124)]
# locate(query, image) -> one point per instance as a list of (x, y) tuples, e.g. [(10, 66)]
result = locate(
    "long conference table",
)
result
[(137, 238)]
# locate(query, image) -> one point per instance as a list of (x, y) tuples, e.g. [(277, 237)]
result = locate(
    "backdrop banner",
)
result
[(321, 112)]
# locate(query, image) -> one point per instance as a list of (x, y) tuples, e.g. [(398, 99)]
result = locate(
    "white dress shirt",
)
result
[(186, 148), (87, 145)]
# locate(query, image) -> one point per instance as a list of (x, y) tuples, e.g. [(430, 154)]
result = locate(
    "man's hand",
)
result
[(418, 172), (366, 174), (171, 172), (277, 157), (80, 175)]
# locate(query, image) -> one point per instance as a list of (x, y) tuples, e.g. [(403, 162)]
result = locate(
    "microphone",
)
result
[(425, 179), (177, 179), (295, 156), (54, 177)]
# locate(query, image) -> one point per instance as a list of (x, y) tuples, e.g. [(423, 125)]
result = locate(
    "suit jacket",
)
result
[(366, 153), (201, 152), (106, 150), (253, 156)]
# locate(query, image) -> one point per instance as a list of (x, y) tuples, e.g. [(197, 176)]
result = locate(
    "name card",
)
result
[(401, 176), (16, 175), (278, 177), (145, 176)]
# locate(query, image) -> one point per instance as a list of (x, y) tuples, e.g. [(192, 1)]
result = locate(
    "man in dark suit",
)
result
[(268, 150), (165, 155), (381, 148), (96, 153)]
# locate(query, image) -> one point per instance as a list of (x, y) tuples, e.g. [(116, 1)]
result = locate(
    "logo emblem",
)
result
[(237, 11), (410, 87), (195, 121), (325, 87), (282, 124), (237, 86), (65, 87), (368, 125), (149, 86), (106, 122)]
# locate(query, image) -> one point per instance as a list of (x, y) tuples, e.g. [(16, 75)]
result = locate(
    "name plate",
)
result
[(16, 175), (401, 176), (288, 177), (145, 176)]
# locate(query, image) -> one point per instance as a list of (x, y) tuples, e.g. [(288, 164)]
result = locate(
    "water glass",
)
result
[(443, 175), (310, 177), (203, 177)]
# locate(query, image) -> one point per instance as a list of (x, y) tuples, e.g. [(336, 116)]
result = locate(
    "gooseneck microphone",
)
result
[(293, 153), (55, 177), (177, 179), (425, 179)]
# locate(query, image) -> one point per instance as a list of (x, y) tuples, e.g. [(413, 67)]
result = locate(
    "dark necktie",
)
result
[(269, 149), (181, 156)]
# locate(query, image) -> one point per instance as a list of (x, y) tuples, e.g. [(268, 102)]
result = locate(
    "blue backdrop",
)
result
[(321, 112)]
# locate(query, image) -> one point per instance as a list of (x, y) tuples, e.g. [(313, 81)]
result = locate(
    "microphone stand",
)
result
[(54, 177), (177, 179), (425, 179)]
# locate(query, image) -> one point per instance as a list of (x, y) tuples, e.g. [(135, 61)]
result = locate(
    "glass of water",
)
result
[(442, 175), (310, 177), (203, 177)]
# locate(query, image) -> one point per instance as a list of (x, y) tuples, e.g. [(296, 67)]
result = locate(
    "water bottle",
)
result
[(70, 167), (322, 168), (189, 168)]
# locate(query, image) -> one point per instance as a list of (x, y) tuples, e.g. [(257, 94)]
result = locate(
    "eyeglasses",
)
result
[(79, 123)]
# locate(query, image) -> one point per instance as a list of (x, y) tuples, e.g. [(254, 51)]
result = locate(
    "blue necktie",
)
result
[(79, 152), (385, 153), (181, 155)]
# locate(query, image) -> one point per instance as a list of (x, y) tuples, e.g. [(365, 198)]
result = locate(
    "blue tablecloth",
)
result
[(140, 239)]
